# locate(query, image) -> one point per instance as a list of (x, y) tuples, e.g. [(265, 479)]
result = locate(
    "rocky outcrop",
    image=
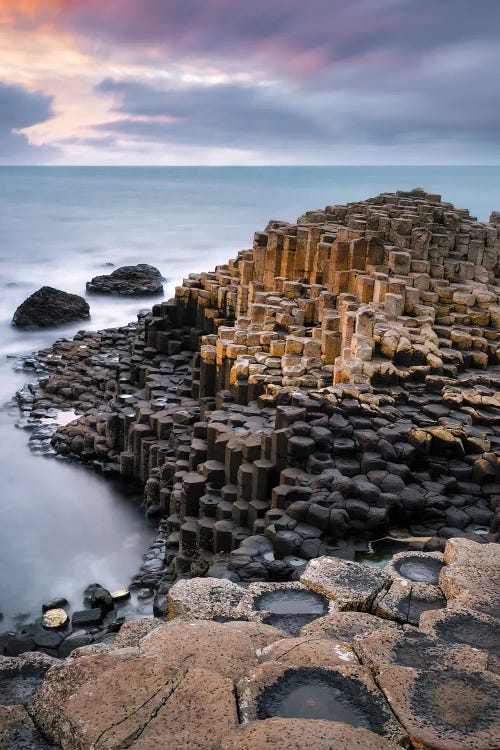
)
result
[(337, 380), (128, 281), (50, 307), (349, 679)]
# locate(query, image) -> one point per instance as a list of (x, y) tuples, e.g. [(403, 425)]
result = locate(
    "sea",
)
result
[(63, 526)]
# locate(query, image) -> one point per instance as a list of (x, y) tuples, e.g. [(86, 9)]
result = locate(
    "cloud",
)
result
[(342, 111), (224, 115), (289, 34), (281, 80), (21, 109)]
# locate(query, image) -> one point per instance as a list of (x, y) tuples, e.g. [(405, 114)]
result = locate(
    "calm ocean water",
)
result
[(60, 526)]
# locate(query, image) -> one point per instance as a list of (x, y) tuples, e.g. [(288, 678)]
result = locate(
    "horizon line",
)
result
[(239, 166)]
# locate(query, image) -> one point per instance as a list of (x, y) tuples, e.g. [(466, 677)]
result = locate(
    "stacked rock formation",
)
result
[(337, 380)]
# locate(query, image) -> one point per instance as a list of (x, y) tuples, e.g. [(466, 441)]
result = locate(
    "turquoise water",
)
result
[(60, 526)]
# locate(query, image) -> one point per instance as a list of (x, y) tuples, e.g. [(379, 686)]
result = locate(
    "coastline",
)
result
[(231, 434), (323, 390)]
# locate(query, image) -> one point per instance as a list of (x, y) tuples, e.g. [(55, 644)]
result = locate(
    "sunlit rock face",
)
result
[(336, 380)]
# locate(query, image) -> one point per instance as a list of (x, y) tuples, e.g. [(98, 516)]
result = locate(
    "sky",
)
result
[(247, 82)]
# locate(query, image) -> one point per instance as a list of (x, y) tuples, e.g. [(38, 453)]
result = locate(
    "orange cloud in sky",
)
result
[(13, 12)]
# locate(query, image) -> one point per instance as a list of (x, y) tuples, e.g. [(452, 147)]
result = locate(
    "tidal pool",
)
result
[(291, 609), (420, 569), (320, 694)]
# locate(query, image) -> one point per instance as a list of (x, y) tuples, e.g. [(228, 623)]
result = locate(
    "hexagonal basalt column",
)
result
[(351, 585), (345, 693), (445, 709)]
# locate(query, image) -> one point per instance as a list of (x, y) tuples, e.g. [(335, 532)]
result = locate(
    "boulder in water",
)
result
[(128, 281), (50, 307)]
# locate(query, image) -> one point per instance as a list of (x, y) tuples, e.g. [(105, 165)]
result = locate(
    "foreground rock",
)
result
[(128, 281), (302, 734), (50, 307), (351, 585), (447, 709), (350, 680)]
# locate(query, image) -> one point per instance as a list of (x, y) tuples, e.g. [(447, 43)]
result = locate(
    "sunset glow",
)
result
[(272, 82)]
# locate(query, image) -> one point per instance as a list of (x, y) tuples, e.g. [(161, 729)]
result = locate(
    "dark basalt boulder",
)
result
[(50, 307), (128, 281)]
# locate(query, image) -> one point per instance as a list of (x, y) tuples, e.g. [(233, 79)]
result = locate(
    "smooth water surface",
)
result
[(315, 693), (420, 569), (61, 526), (292, 602)]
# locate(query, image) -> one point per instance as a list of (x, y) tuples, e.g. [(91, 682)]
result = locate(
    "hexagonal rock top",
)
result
[(177, 684), (204, 598), (445, 710), (345, 626), (408, 647), (351, 585), (470, 576), (303, 734), (344, 693)]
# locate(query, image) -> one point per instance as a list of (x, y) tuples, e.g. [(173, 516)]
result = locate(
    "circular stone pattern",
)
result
[(419, 569), (455, 701), (320, 694)]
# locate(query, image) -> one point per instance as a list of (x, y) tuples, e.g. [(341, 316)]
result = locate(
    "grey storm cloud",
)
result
[(222, 115), (409, 108), (22, 109), (280, 29), (364, 72)]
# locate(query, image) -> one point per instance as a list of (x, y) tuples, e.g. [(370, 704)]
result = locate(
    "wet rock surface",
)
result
[(17, 731), (344, 693), (205, 684), (20, 677), (49, 307), (410, 647), (447, 709), (419, 568), (57, 632), (129, 281)]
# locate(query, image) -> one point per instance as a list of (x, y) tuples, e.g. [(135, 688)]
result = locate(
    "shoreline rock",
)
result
[(50, 307), (338, 380), (129, 281)]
